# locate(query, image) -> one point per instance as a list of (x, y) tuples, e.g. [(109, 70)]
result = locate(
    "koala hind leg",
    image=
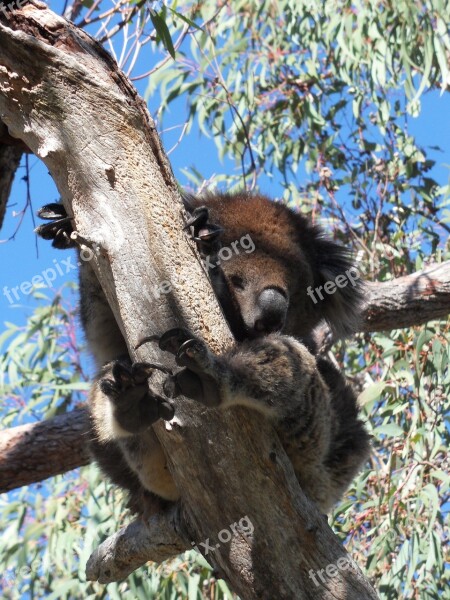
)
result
[(122, 409)]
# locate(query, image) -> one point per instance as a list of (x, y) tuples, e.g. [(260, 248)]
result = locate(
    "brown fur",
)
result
[(291, 254), (277, 376), (311, 406)]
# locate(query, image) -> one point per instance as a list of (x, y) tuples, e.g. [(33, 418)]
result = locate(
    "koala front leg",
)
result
[(277, 376), (274, 374)]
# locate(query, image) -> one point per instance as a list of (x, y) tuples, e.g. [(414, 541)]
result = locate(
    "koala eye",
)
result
[(237, 282)]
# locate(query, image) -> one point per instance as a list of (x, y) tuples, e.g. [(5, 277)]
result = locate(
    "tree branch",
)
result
[(112, 173), (406, 301), (410, 300), (157, 540), (33, 452)]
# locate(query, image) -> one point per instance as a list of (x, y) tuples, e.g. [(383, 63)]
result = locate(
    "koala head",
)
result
[(273, 270)]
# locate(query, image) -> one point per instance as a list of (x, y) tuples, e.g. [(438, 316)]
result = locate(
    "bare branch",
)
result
[(406, 301), (35, 451), (410, 300), (134, 545)]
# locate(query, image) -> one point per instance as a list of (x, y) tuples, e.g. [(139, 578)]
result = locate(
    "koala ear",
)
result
[(207, 235), (342, 287)]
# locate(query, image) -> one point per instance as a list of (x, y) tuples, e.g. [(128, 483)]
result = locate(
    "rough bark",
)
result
[(33, 452), (134, 545), (407, 301), (113, 176), (410, 300)]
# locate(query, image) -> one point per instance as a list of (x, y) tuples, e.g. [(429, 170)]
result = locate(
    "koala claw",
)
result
[(192, 354), (136, 407), (172, 340), (188, 350), (207, 235), (60, 227), (197, 379), (171, 388), (166, 410), (200, 216), (127, 375)]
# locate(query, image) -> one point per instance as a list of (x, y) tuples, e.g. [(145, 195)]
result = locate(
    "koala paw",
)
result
[(135, 406), (60, 227), (207, 235), (197, 380)]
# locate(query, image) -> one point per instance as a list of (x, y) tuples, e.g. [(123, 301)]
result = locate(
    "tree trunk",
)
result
[(114, 178), (402, 302)]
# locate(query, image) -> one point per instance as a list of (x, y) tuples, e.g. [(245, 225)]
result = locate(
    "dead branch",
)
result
[(410, 300)]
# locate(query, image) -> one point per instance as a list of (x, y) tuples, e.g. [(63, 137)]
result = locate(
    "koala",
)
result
[(273, 292), (276, 283)]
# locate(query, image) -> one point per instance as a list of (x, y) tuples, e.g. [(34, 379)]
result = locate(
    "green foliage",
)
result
[(54, 527), (40, 371), (319, 96), (395, 518), (162, 31)]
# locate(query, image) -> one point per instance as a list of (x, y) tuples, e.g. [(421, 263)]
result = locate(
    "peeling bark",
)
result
[(410, 300)]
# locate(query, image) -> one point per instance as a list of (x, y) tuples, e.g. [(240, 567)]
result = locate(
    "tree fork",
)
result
[(114, 177)]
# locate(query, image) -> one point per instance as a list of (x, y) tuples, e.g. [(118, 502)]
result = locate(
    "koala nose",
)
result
[(273, 305)]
